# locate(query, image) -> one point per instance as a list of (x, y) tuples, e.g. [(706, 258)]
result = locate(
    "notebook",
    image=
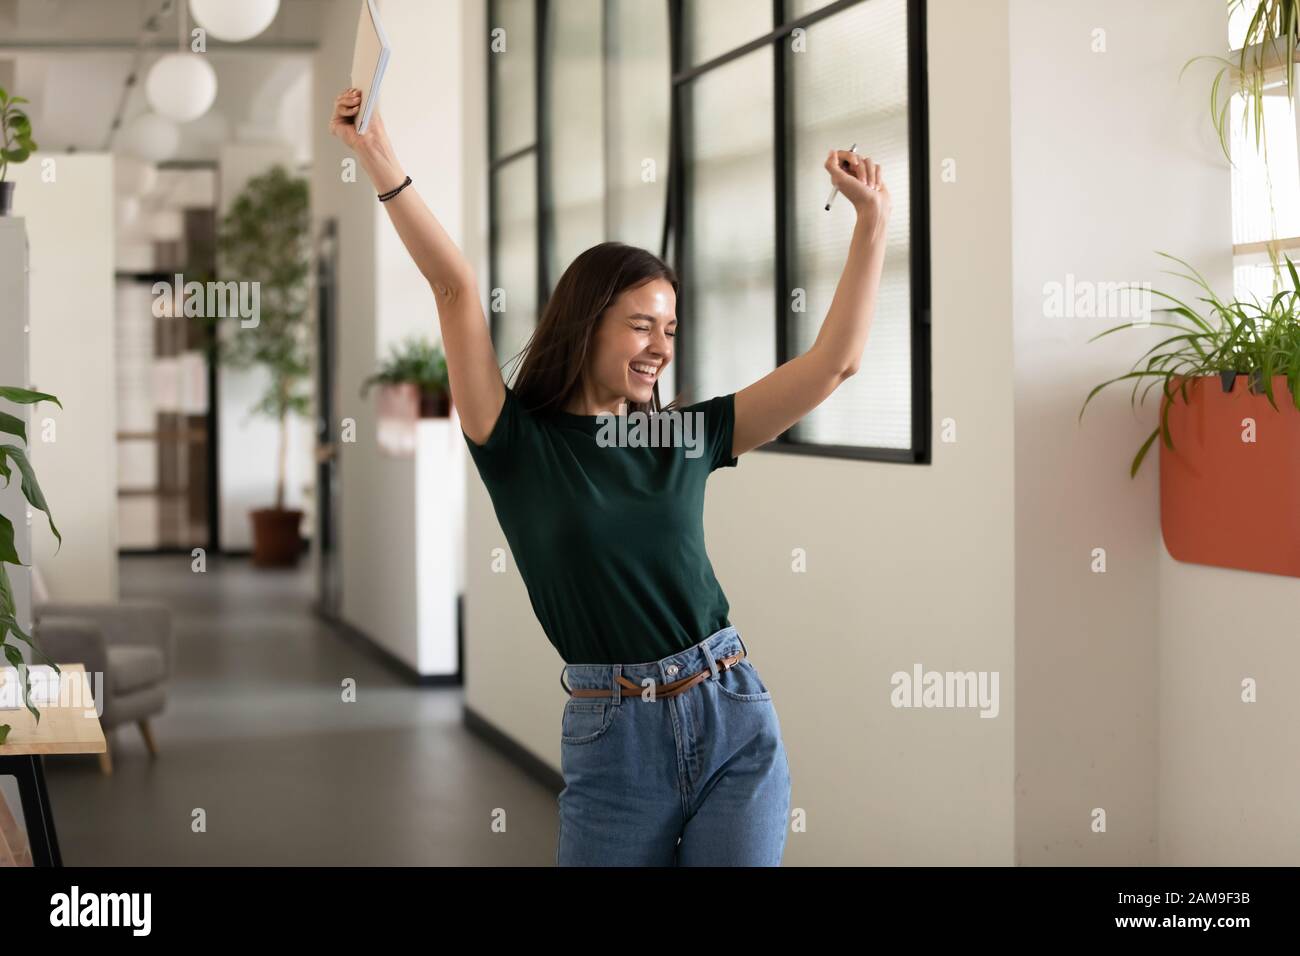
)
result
[(369, 59)]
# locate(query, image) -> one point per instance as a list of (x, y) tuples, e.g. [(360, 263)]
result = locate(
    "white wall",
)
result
[(906, 564), (382, 298), (1228, 773), (1113, 159), (421, 104), (440, 542), (248, 445), (70, 228), (364, 478)]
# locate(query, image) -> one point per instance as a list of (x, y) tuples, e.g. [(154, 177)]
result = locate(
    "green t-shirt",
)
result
[(606, 524)]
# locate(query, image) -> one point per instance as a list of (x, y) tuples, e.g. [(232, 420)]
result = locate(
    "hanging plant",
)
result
[(1271, 38), (1268, 49)]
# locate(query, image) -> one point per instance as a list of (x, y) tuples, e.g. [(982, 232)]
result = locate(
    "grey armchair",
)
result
[(130, 643)]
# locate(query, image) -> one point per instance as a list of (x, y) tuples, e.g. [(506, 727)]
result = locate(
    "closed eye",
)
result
[(646, 328)]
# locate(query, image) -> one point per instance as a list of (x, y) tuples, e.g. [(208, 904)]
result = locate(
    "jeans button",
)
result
[(672, 669)]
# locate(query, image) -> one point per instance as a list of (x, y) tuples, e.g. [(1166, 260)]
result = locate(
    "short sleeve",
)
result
[(720, 422), (492, 458)]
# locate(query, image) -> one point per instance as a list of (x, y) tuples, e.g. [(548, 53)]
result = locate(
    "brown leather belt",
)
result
[(661, 690)]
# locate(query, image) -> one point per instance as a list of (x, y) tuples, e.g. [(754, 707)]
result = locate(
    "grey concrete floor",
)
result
[(257, 736)]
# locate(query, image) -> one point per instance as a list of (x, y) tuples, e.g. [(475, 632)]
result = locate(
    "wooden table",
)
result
[(69, 725)]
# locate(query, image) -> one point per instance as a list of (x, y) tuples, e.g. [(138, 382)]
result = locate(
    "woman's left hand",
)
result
[(862, 183)]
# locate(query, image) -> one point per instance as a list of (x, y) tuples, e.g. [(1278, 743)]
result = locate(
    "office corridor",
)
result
[(257, 736)]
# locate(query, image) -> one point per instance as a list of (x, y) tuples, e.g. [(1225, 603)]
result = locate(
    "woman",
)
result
[(671, 750)]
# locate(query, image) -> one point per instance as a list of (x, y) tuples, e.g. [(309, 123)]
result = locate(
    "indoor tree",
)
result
[(265, 239)]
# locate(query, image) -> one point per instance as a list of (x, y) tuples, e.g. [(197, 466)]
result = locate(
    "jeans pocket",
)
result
[(584, 721), (741, 681)]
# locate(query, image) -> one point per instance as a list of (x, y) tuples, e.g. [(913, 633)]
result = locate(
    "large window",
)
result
[(1265, 194), (512, 144), (576, 168), (728, 227), (698, 129), (832, 99)]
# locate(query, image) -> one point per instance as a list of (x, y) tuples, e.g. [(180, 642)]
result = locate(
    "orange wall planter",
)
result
[(1225, 501)]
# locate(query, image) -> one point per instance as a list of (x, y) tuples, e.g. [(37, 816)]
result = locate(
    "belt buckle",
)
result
[(724, 664), (731, 660)]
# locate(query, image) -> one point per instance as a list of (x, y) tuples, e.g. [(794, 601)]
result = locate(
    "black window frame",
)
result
[(495, 164), (675, 233)]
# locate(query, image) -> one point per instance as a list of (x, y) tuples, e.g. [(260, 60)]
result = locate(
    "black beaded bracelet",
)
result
[(384, 197)]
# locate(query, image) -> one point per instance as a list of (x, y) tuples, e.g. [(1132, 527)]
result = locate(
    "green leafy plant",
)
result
[(1269, 45), (416, 361), (16, 130), (265, 239), (13, 456), (1256, 339)]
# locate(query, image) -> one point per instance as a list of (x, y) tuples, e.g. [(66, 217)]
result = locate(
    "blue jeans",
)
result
[(698, 779)]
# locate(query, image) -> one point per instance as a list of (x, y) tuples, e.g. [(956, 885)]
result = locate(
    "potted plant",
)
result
[(1260, 341), (419, 364), (1230, 455), (12, 457), (16, 137), (264, 241)]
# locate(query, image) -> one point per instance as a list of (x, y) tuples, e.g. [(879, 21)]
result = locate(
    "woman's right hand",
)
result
[(343, 123), (372, 146)]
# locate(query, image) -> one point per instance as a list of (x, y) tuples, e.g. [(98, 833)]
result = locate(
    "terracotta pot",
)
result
[(397, 411), (435, 404), (398, 401), (1224, 500), (276, 541)]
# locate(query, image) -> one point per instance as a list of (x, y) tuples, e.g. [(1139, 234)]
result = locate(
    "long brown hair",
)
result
[(556, 354)]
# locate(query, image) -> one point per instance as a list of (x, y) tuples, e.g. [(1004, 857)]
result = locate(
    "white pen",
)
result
[(835, 189)]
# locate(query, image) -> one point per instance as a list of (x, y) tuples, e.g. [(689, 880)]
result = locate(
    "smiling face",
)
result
[(631, 347)]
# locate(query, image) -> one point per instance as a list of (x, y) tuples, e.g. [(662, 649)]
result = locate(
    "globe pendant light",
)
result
[(152, 137), (234, 20), (181, 86), (131, 177)]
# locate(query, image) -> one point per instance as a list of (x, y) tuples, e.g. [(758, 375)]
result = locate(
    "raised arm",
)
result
[(477, 389), (779, 399)]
